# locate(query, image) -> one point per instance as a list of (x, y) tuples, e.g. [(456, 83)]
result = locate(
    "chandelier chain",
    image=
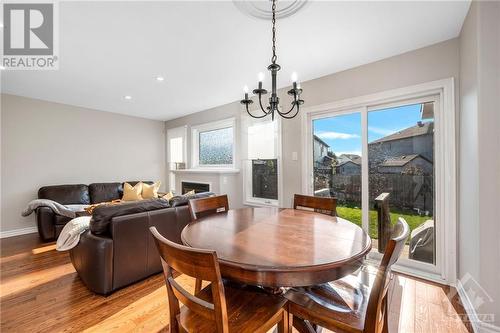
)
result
[(274, 58)]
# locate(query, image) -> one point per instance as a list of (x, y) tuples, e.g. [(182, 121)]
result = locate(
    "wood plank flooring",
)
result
[(41, 292)]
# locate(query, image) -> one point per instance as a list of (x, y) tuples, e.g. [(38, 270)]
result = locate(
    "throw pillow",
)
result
[(168, 196), (190, 193), (132, 193), (150, 191)]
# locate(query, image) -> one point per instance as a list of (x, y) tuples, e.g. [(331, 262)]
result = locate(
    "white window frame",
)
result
[(195, 143), (175, 132), (445, 270), (248, 199)]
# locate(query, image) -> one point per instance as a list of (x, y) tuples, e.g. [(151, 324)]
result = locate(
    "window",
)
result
[(176, 152), (391, 150), (261, 163), (216, 147), (213, 145)]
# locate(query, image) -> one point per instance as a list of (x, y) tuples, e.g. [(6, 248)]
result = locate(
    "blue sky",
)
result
[(343, 133)]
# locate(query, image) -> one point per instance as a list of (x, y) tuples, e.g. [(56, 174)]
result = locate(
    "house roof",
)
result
[(419, 129), (346, 158), (321, 141), (427, 110), (401, 160)]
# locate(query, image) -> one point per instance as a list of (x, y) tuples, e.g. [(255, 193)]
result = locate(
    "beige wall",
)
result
[(45, 143), (427, 64), (479, 180)]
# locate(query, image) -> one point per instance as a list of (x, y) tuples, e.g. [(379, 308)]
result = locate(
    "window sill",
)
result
[(261, 203), (206, 170)]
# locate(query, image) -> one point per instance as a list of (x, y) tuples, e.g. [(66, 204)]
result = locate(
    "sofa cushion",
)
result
[(102, 215), (66, 194), (104, 192), (182, 200)]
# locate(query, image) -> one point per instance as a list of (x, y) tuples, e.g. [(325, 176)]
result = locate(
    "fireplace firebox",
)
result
[(197, 187)]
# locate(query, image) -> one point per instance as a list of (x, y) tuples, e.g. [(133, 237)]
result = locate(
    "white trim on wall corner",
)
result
[(18, 232), (478, 326)]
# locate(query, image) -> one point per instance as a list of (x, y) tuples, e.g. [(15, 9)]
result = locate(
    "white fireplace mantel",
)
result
[(206, 170)]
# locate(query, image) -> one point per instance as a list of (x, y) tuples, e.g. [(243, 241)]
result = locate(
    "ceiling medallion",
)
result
[(260, 9), (274, 106)]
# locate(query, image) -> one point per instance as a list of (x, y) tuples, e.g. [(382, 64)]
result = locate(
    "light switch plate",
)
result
[(295, 156)]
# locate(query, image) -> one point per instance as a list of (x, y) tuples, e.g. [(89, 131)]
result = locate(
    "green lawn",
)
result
[(354, 215)]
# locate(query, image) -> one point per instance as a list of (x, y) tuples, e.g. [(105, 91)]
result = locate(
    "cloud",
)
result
[(354, 152), (336, 135), (381, 131)]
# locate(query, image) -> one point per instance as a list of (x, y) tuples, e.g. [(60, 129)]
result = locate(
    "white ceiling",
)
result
[(207, 51)]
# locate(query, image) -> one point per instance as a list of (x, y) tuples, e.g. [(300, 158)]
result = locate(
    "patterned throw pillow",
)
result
[(132, 193), (168, 196), (150, 191)]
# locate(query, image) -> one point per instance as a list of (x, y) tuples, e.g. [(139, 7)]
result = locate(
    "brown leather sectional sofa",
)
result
[(123, 251), (127, 252), (50, 225)]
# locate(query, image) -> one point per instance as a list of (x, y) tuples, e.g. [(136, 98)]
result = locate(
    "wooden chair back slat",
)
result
[(196, 304), (182, 258), (376, 312), (197, 263), (319, 204), (207, 206)]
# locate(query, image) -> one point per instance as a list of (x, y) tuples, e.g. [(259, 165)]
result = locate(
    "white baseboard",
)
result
[(478, 325), (17, 232)]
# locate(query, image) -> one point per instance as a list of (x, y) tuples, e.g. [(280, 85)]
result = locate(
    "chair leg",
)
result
[(302, 325), (284, 324), (385, 328), (197, 286)]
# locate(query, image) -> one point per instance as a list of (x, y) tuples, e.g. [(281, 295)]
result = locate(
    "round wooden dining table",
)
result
[(275, 248)]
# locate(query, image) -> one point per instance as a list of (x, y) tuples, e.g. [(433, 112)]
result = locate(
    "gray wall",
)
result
[(479, 174), (427, 64), (45, 143)]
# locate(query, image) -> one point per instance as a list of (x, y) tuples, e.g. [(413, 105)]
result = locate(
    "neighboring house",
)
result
[(320, 152), (417, 139), (413, 164), (348, 164)]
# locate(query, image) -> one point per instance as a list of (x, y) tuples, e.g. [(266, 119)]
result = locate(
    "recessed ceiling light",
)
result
[(160, 78), (1, 25), (128, 97)]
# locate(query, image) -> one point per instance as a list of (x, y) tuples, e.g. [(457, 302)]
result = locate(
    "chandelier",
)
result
[(274, 106)]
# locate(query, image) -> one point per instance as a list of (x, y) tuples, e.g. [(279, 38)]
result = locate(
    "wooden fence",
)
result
[(408, 192)]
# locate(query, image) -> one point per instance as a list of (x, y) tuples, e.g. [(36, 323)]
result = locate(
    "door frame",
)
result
[(445, 270)]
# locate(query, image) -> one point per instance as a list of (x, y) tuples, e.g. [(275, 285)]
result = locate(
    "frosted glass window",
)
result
[(216, 147)]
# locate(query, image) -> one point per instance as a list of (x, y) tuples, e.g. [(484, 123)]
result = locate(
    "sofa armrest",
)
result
[(45, 219), (93, 260)]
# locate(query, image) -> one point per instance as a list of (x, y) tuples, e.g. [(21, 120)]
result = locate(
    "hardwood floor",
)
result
[(41, 292)]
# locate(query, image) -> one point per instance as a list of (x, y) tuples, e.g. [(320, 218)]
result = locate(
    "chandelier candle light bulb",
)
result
[(274, 105), (245, 89)]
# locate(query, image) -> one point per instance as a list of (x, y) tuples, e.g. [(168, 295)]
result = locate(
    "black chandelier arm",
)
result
[(295, 99), (251, 115), (261, 106), (284, 115)]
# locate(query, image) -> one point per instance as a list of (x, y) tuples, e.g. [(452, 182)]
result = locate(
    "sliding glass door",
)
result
[(337, 146), (379, 163)]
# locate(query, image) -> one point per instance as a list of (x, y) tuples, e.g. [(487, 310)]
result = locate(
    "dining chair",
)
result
[(206, 206), (355, 303), (219, 307), (319, 204)]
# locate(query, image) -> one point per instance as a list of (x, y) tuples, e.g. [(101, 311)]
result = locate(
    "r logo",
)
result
[(29, 29)]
